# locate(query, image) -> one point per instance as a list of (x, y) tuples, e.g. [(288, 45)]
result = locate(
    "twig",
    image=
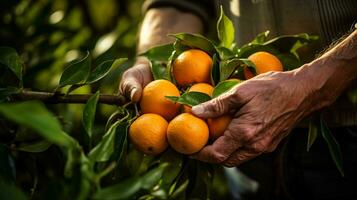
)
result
[(55, 98)]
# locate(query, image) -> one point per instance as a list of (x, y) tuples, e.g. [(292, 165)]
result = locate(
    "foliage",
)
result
[(94, 154)]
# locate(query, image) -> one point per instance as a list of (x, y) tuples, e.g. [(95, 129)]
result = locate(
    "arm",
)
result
[(157, 24), (268, 106)]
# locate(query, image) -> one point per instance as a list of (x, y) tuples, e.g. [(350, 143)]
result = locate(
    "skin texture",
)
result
[(269, 105), (157, 24)]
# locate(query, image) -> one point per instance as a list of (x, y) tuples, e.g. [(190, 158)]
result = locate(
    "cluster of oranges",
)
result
[(165, 123)]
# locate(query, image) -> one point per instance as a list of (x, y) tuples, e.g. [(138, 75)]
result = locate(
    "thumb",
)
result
[(131, 88), (215, 107)]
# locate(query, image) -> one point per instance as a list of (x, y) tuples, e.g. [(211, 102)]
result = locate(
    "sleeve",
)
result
[(205, 9)]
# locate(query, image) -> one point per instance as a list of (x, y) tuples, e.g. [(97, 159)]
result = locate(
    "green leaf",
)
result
[(215, 72), (190, 98), (225, 30), (121, 191), (10, 191), (228, 67), (121, 140), (34, 147), (175, 163), (313, 132), (105, 148), (180, 189), (286, 43), (225, 53), (128, 188), (159, 53), (246, 50), (289, 61), (34, 115), (103, 69), (224, 86), (10, 58), (151, 178), (260, 38), (333, 146), (5, 93), (89, 114), (196, 41), (159, 70), (77, 72)]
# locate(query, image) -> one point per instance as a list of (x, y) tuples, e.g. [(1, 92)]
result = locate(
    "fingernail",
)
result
[(198, 110), (133, 92)]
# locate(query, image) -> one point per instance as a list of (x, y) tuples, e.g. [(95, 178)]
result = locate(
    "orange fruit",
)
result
[(187, 134), (192, 66), (218, 125), (199, 87), (264, 62), (153, 99), (148, 134)]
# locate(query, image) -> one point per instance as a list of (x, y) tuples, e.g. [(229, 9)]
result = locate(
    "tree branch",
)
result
[(55, 98)]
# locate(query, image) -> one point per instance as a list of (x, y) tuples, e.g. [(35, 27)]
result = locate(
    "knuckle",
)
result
[(217, 157)]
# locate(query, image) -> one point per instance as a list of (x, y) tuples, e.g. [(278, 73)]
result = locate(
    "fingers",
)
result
[(218, 152), (217, 106), (134, 79), (240, 156)]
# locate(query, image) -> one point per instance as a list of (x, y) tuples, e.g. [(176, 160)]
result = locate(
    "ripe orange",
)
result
[(153, 99), (192, 66), (218, 125), (264, 62), (199, 87), (148, 134), (187, 134)]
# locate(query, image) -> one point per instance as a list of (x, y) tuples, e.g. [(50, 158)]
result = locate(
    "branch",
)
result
[(54, 98)]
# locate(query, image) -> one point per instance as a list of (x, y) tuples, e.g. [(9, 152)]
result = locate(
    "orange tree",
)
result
[(103, 163)]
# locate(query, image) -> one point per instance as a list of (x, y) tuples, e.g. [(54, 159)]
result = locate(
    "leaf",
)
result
[(190, 98), (35, 147), (286, 43), (103, 69), (5, 93), (289, 61), (128, 188), (215, 72), (225, 30), (174, 161), (10, 58), (224, 86), (77, 72), (224, 53), (159, 70), (121, 140), (151, 178), (123, 190), (249, 49), (260, 38), (34, 115), (313, 132), (105, 148), (196, 41), (228, 67), (159, 53), (333, 146), (10, 191), (89, 114)]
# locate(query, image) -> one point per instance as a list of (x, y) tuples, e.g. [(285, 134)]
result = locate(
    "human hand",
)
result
[(135, 79), (265, 109)]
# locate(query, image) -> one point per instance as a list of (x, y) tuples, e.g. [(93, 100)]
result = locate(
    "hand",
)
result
[(265, 109), (135, 79)]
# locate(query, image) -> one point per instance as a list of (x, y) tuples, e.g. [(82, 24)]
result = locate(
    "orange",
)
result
[(264, 62), (192, 66), (187, 134), (218, 125), (199, 87), (148, 134), (153, 99)]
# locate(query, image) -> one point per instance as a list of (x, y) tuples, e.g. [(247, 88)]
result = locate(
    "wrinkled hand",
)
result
[(135, 79), (265, 109)]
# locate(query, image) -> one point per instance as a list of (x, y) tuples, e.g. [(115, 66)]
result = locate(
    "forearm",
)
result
[(329, 75), (159, 22)]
